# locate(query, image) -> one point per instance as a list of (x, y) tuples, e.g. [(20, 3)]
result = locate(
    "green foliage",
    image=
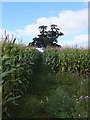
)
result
[(17, 62), (49, 84), (67, 96), (56, 96), (47, 38), (67, 60), (60, 104)]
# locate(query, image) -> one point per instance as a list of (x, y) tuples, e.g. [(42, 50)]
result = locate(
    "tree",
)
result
[(42, 30), (47, 38), (54, 33)]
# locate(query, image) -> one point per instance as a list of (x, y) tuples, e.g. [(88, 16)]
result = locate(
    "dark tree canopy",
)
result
[(47, 38)]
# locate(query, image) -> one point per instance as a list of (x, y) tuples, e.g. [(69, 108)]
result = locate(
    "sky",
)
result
[(23, 19)]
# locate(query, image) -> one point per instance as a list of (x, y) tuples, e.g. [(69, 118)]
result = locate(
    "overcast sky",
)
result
[(23, 19)]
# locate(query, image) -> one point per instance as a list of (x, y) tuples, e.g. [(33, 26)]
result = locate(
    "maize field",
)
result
[(23, 68), (68, 60)]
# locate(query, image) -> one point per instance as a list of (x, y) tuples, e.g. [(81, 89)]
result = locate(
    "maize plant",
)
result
[(16, 62), (68, 60)]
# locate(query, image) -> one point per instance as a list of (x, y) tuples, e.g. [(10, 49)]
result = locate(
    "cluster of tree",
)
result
[(47, 38)]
